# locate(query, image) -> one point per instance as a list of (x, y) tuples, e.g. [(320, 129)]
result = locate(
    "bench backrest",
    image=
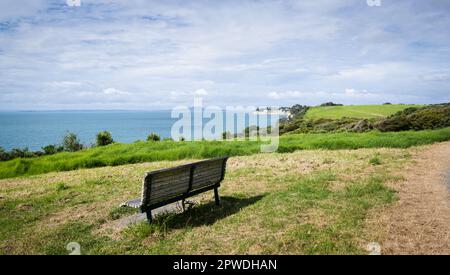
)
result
[(162, 185)]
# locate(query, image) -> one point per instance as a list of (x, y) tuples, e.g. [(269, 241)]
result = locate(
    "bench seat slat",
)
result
[(161, 193), (206, 175), (203, 176), (204, 182), (207, 166), (168, 184), (198, 179), (171, 188), (208, 172), (159, 178)]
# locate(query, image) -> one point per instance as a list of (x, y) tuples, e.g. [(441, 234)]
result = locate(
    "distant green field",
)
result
[(358, 111)]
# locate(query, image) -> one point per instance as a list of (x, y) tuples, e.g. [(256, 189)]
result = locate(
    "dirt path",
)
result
[(419, 222)]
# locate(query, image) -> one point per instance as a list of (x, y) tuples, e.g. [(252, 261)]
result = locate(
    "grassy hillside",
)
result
[(119, 154), (357, 111), (309, 202)]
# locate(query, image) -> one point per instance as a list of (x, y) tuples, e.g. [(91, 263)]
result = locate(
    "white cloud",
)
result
[(353, 92), (374, 72), (187, 97), (14, 9), (347, 96), (64, 84), (295, 95), (163, 51), (442, 76), (114, 91), (201, 92)]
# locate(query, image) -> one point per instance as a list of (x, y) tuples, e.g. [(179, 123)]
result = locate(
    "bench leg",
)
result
[(149, 216), (216, 196)]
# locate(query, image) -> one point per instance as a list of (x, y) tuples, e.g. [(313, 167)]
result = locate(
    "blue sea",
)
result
[(35, 129)]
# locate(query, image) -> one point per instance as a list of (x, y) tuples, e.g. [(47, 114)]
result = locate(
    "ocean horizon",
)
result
[(36, 129)]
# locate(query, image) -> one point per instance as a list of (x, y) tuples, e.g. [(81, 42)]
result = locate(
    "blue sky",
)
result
[(144, 55)]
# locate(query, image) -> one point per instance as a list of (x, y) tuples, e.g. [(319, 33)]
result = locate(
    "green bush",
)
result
[(412, 118), (227, 135), (71, 143), (153, 137), (330, 104), (296, 111), (104, 138), (21, 153), (429, 117), (324, 125), (251, 130), (4, 155), (52, 149)]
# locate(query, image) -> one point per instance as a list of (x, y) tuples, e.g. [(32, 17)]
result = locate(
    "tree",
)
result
[(20, 153), (153, 137), (71, 143), (50, 149), (330, 104), (227, 135), (4, 155), (104, 138)]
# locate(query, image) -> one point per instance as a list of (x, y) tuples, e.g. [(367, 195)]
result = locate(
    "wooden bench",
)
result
[(162, 187)]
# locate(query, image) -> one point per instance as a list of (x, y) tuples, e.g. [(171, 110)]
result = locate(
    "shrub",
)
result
[(330, 104), (324, 125), (104, 138), (71, 143), (298, 111), (393, 124), (429, 117), (362, 126), (153, 137), (251, 131), (20, 153), (227, 135), (4, 155), (52, 149)]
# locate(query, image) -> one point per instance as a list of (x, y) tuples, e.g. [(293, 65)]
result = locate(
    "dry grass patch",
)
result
[(419, 222), (307, 202)]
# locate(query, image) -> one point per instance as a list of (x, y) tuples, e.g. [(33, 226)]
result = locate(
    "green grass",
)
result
[(356, 111), (119, 154), (309, 202)]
